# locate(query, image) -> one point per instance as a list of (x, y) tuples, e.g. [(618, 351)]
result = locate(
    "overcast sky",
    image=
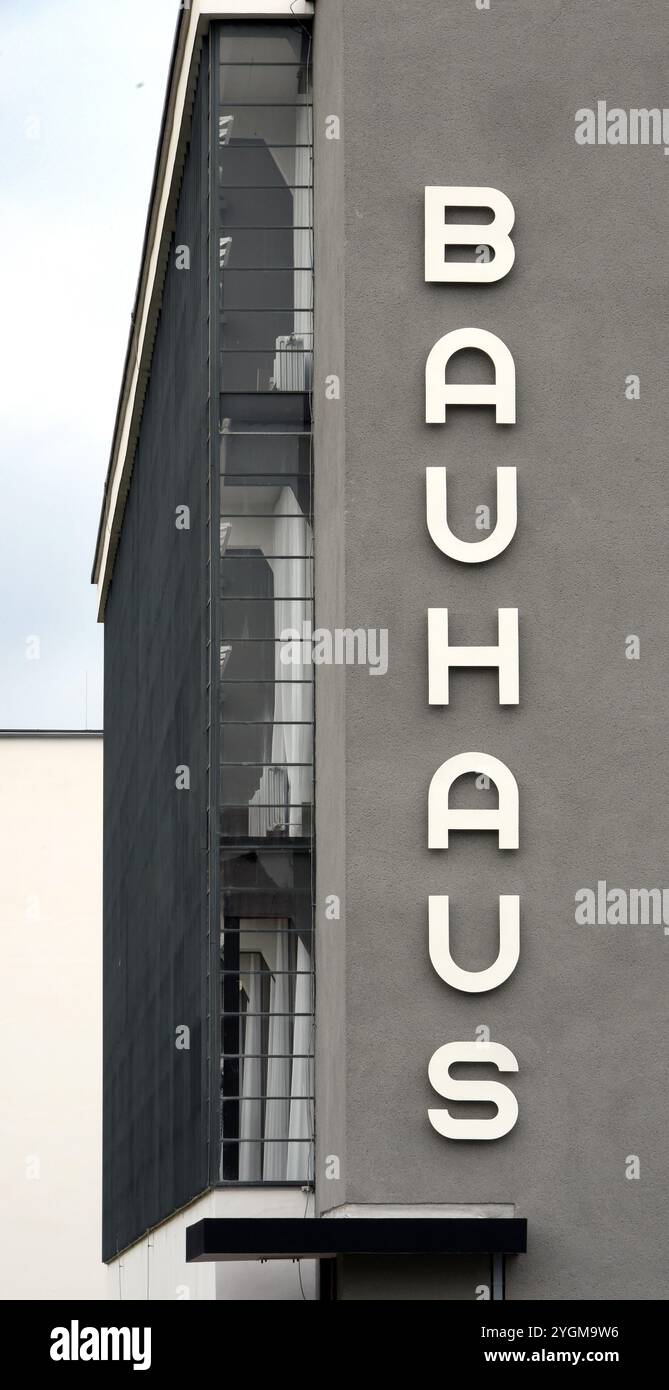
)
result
[(81, 92)]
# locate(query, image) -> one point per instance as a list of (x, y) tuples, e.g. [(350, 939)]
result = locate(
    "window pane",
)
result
[(254, 414), (263, 454), (281, 786), (260, 660), (233, 824), (245, 330), (264, 619), (275, 621), (273, 206), (240, 581), (255, 165), (263, 43), (255, 84), (252, 743), (240, 700), (274, 125), (263, 590), (262, 535), (262, 248), (263, 497), (266, 1045), (253, 550), (266, 700), (265, 870), (259, 290), (288, 368)]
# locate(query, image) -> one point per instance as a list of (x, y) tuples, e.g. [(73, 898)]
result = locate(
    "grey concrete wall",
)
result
[(443, 92), (369, 1278), (330, 604)]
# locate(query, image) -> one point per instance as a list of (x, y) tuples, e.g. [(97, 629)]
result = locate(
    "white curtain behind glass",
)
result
[(250, 1119), (277, 1108), (300, 1126), (292, 740)]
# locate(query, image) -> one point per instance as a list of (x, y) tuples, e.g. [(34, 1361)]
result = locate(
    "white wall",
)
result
[(50, 1016), (156, 1268), (51, 1061)]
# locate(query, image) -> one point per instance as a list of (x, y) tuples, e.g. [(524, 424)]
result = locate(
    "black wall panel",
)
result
[(155, 836)]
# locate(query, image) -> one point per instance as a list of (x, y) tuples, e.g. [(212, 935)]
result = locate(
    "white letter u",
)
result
[(475, 981)]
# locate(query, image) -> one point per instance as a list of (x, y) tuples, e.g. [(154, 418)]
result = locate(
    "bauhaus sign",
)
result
[(440, 237)]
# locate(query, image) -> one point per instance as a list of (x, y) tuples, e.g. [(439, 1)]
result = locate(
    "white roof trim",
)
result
[(256, 9), (193, 23)]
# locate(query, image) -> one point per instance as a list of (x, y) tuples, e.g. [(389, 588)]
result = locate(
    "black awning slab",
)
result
[(292, 1238)]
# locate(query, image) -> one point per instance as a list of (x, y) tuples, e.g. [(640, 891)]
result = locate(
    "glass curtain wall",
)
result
[(265, 336)]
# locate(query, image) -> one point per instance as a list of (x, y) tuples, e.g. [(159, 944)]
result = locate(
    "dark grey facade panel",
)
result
[(269, 1238), (155, 836)]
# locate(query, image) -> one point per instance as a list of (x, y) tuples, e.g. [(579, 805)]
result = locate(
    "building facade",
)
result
[(291, 807), (50, 1006)]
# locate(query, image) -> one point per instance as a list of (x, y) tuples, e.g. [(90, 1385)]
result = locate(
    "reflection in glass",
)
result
[(263, 43), (268, 315), (259, 84), (266, 578), (274, 125), (266, 1050), (264, 596)]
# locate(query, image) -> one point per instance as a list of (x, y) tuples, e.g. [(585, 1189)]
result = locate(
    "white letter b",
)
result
[(439, 234)]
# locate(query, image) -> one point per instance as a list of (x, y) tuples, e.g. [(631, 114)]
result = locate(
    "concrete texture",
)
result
[(444, 93)]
